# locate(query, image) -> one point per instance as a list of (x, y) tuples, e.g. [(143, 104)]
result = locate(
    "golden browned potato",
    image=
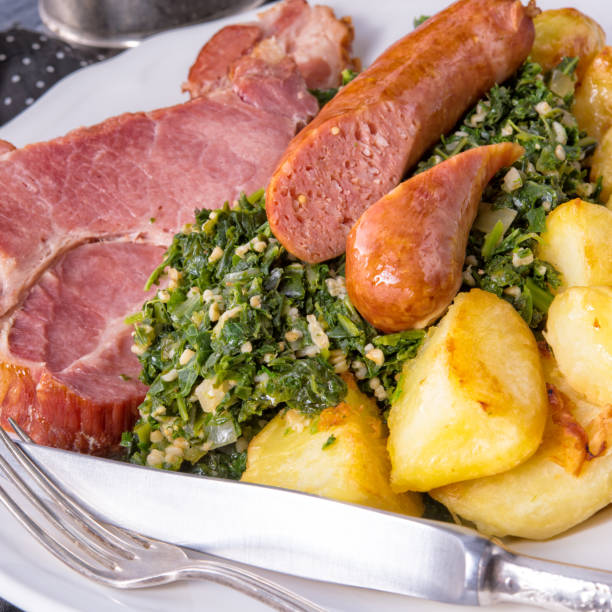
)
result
[(566, 481), (579, 331), (473, 401), (577, 241), (563, 33), (341, 455), (593, 101), (601, 165)]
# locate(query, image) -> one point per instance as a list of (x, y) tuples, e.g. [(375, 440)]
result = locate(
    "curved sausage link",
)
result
[(404, 257), (363, 141)]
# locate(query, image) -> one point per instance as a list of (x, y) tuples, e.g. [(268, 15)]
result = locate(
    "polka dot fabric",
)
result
[(31, 62)]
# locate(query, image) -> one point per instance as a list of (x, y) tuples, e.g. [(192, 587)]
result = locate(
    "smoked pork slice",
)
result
[(85, 218), (211, 68), (140, 174), (318, 42), (67, 375), (5, 147), (269, 80)]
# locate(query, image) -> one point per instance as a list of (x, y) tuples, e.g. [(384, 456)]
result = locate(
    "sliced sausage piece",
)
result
[(363, 141), (405, 255)]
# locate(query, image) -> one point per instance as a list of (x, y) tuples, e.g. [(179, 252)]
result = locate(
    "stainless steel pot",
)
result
[(124, 23)]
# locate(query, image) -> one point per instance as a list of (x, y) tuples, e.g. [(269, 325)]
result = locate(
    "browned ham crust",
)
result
[(312, 36)]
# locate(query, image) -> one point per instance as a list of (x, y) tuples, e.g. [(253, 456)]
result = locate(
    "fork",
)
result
[(115, 556)]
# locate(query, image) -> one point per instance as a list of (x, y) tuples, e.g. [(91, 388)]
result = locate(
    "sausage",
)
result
[(404, 257), (363, 141)]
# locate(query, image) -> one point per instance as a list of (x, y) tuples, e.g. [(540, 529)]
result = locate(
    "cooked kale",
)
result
[(242, 328), (531, 109), (226, 462), (323, 96)]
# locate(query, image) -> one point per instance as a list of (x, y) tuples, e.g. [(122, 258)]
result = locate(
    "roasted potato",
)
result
[(577, 242), (341, 455), (566, 32), (566, 481), (601, 165), (579, 331), (473, 401), (593, 101)]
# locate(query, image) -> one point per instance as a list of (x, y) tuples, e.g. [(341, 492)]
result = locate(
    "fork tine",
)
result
[(121, 542), (58, 549), (23, 436), (51, 516), (158, 562)]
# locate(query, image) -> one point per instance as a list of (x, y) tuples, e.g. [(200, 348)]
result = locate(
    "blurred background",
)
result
[(42, 41)]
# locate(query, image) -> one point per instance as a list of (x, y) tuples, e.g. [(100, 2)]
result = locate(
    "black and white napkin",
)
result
[(31, 62)]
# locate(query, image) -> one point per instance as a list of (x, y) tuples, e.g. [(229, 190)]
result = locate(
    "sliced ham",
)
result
[(269, 80), (139, 175), (212, 66), (318, 42), (69, 377), (312, 37), (85, 218), (5, 147)]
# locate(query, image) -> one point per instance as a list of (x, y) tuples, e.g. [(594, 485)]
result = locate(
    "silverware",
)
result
[(123, 23), (117, 557), (317, 538)]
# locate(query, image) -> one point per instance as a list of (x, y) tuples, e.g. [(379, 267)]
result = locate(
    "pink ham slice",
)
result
[(312, 37), (5, 147), (85, 218), (70, 360), (115, 178)]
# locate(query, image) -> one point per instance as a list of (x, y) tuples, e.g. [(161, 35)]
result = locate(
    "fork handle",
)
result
[(249, 583)]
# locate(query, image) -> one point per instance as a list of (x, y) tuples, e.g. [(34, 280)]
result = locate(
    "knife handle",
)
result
[(546, 584)]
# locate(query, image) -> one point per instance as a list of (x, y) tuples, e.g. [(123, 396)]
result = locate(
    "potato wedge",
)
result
[(601, 165), (473, 401), (579, 331), (566, 481), (577, 242), (593, 101), (566, 32), (342, 455)]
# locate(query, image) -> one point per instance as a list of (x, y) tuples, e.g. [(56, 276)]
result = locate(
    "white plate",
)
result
[(149, 77)]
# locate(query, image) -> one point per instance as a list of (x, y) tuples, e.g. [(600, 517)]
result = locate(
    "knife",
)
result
[(313, 537)]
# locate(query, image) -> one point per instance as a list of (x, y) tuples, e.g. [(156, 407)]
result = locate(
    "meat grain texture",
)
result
[(85, 218), (362, 142)]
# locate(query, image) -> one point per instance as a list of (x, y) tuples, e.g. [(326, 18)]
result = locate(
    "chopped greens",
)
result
[(531, 109), (329, 442), (240, 331), (323, 96)]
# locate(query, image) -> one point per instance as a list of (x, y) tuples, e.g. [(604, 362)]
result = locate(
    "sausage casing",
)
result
[(404, 257), (363, 141)]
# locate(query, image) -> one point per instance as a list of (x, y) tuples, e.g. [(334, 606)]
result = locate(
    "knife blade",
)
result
[(313, 537)]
